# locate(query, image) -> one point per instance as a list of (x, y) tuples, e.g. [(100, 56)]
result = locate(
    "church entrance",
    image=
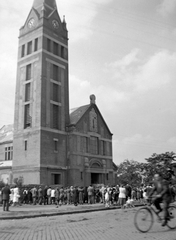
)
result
[(95, 178)]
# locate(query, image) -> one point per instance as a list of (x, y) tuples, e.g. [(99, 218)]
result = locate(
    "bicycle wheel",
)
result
[(143, 219), (171, 223)]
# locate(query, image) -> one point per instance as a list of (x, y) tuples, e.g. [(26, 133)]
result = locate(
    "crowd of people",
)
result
[(108, 195)]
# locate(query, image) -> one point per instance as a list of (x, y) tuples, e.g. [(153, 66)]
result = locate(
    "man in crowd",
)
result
[(5, 197)]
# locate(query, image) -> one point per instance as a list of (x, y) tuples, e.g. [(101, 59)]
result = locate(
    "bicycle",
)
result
[(144, 217)]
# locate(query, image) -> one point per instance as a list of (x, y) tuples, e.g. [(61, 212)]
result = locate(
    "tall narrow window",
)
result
[(55, 72), (103, 147), (81, 175), (36, 45), (62, 52), (59, 94), (55, 48), (94, 145), (55, 116), (28, 72), (55, 92), (56, 145), (27, 116), (27, 92), (23, 51), (6, 153), (85, 142), (29, 47), (25, 145), (48, 45)]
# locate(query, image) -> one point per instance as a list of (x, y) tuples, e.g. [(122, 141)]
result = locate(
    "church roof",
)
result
[(77, 113), (6, 133)]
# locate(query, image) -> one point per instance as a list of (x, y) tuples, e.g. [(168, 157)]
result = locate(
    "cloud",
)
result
[(80, 14), (128, 79), (157, 72), (132, 75), (167, 7), (127, 60)]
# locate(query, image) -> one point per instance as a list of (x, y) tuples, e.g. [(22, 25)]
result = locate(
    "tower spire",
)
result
[(49, 3)]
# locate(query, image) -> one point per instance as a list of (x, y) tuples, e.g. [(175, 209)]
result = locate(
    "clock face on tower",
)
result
[(31, 22), (55, 24)]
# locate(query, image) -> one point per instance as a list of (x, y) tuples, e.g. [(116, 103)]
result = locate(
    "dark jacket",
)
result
[(6, 193), (162, 188)]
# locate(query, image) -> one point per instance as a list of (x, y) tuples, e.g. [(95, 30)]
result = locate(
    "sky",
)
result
[(122, 51)]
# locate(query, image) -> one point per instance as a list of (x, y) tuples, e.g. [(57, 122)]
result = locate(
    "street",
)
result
[(111, 225)]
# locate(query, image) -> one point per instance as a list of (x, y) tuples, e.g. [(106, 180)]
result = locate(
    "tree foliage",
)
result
[(18, 181), (129, 171), (160, 163), (136, 173)]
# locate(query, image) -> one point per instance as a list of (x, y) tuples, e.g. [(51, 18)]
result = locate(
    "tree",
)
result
[(18, 181), (160, 163), (130, 171)]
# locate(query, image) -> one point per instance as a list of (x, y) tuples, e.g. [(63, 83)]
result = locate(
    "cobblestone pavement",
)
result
[(105, 225)]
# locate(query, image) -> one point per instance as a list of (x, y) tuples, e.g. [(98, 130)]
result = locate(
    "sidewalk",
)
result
[(31, 211)]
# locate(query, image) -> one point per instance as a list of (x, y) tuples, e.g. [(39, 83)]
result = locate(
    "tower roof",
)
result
[(49, 3), (45, 7)]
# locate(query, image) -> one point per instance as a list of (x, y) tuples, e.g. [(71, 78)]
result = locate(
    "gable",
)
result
[(54, 21), (31, 23), (89, 119)]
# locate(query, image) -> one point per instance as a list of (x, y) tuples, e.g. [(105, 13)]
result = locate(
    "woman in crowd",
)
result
[(122, 196), (16, 196)]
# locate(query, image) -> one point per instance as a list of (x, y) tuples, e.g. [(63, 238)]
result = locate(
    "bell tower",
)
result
[(42, 97)]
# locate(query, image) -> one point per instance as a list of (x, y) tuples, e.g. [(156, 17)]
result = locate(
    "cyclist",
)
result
[(162, 193)]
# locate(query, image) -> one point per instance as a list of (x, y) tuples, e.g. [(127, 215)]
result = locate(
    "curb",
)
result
[(49, 214)]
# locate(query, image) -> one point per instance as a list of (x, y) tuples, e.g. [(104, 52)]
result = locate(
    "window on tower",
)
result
[(27, 116), (27, 92), (55, 145), (23, 51), (28, 72), (36, 45), (29, 47), (55, 48), (62, 52), (55, 72), (25, 145), (55, 92), (48, 45), (55, 116)]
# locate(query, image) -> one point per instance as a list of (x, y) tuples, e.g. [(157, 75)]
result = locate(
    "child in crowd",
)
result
[(129, 203)]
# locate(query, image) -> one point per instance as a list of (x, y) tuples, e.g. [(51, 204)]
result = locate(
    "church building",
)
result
[(49, 144)]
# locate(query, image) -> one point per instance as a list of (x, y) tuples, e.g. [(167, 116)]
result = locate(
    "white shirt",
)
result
[(53, 193), (122, 192)]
